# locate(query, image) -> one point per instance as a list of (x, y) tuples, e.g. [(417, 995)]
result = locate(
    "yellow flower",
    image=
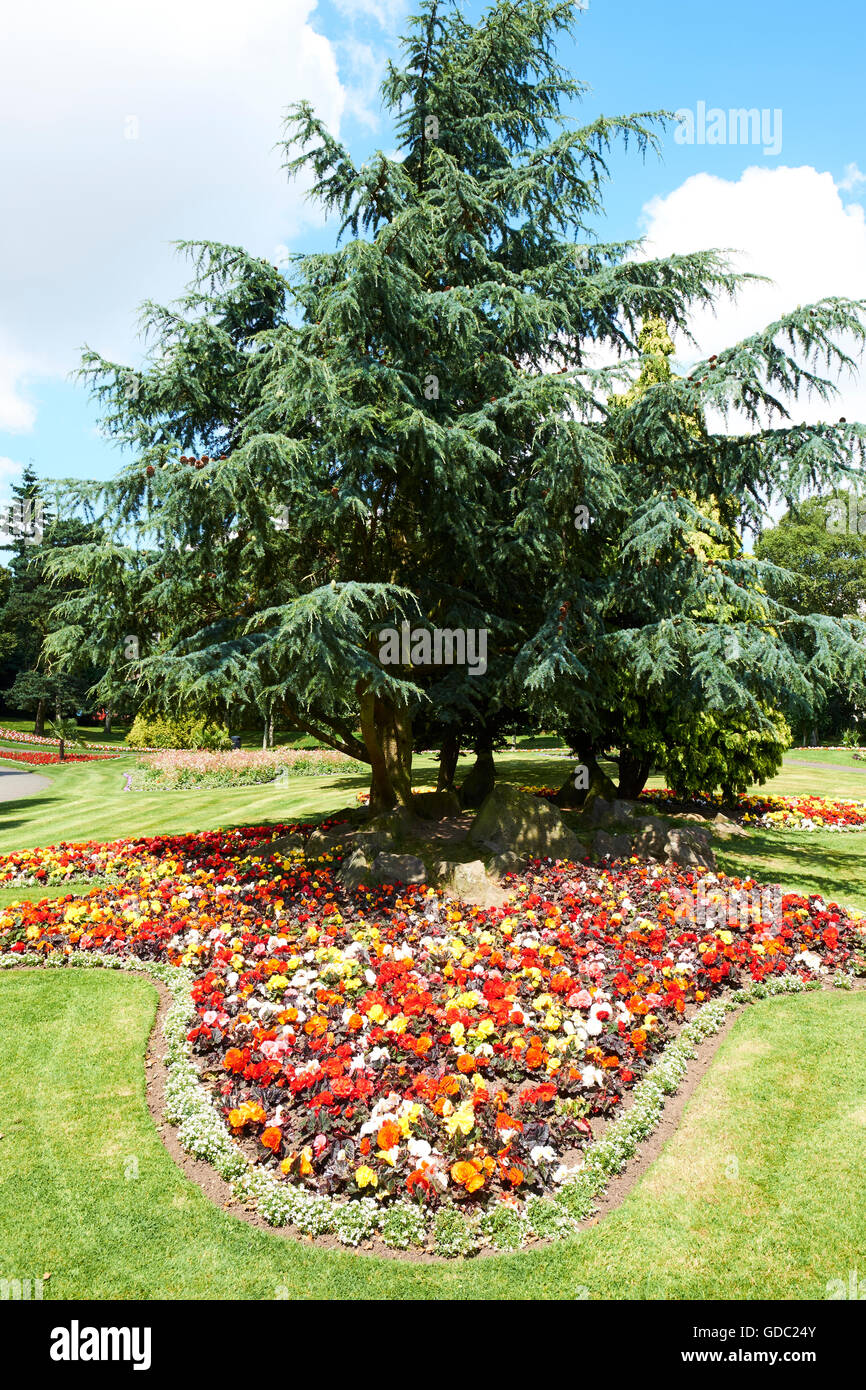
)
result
[(376, 1013), (458, 1033), (462, 1121), (365, 1177)]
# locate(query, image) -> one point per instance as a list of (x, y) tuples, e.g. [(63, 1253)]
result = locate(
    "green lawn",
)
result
[(755, 1196), (87, 801)]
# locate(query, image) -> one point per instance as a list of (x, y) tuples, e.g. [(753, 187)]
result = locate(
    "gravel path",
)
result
[(14, 785)]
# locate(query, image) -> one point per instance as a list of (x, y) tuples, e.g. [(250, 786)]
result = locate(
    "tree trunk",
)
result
[(62, 743), (634, 769), (480, 780), (448, 757), (106, 723), (386, 729), (570, 796), (39, 721)]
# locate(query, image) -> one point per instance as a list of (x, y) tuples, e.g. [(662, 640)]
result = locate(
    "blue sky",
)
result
[(131, 130)]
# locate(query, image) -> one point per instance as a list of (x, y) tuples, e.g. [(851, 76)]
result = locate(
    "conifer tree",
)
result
[(406, 428)]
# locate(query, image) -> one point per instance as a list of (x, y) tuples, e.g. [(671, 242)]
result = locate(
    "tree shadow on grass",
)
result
[(24, 803), (837, 870)]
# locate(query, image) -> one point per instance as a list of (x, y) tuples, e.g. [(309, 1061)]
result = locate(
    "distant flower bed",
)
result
[(36, 759), (767, 812), (776, 812), (43, 741), (181, 770)]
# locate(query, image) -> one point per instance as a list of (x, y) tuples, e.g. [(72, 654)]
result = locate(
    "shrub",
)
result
[(177, 731)]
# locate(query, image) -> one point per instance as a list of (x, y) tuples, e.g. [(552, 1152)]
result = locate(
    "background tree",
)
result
[(821, 546)]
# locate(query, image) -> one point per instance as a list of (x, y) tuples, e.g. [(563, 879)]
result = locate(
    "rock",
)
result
[(395, 825), (727, 829), (437, 805), (355, 870), (398, 868), (652, 835), (514, 820), (690, 848), (506, 863), (611, 846), (325, 842), (370, 842), (470, 882), (284, 845)]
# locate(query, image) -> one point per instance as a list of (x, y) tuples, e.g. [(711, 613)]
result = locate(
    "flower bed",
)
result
[(776, 812), (767, 812), (36, 759), (391, 1063), (181, 770), (45, 741)]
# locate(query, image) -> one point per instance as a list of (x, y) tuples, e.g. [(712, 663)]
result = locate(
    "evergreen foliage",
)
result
[(408, 426)]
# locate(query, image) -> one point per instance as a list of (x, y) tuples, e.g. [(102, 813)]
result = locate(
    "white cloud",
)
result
[(789, 224), (123, 129), (851, 179), (17, 413)]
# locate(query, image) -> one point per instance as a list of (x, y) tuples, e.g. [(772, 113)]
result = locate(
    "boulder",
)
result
[(690, 848), (284, 845), (727, 829), (398, 868), (506, 863), (652, 835), (470, 882), (611, 846), (511, 819), (617, 811), (437, 805), (325, 842), (355, 870)]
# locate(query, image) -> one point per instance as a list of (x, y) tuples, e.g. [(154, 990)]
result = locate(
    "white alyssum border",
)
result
[(203, 1133)]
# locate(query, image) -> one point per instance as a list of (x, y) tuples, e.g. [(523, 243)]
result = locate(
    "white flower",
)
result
[(419, 1148), (810, 959), (592, 1076), (542, 1153)]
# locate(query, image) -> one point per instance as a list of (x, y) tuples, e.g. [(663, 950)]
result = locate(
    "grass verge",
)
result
[(739, 1204)]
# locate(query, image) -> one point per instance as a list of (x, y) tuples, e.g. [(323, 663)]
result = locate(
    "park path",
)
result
[(835, 767), (14, 785)]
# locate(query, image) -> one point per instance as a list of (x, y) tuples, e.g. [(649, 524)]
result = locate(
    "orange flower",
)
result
[(515, 1176), (389, 1135), (272, 1138), (465, 1063), (463, 1172)]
